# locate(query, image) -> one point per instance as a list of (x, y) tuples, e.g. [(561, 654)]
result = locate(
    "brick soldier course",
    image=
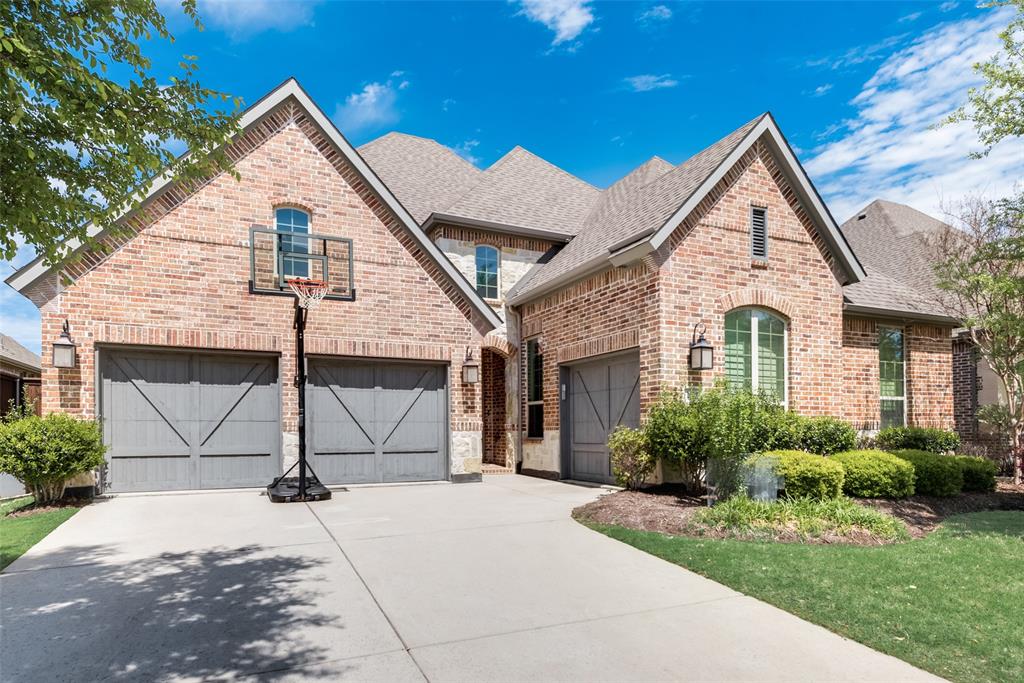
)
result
[(583, 271)]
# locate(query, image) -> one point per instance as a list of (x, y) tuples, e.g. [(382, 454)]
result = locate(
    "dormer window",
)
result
[(759, 233), (487, 264)]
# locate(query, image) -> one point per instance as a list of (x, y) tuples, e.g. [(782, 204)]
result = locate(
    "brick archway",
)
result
[(761, 298)]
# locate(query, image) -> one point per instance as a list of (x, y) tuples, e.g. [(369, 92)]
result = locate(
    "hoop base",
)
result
[(287, 491)]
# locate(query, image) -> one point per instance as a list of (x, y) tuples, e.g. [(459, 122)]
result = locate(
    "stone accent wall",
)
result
[(518, 254), (182, 281)]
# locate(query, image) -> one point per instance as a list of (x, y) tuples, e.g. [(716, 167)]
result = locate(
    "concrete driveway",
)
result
[(468, 582)]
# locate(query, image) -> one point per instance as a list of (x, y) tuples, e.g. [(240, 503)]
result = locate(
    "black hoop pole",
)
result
[(300, 383)]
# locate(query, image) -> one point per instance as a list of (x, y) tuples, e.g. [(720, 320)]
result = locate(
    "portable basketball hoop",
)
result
[(306, 486)]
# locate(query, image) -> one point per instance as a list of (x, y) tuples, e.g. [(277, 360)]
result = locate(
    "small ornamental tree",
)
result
[(44, 452), (81, 145), (980, 270)]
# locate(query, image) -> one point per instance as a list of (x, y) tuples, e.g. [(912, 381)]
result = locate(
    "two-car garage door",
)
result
[(175, 420)]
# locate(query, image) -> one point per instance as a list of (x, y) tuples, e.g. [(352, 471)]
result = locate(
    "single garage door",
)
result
[(371, 421), (603, 394), (175, 420)]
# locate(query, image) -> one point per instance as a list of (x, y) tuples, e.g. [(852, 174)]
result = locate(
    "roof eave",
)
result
[(889, 313), (521, 231)]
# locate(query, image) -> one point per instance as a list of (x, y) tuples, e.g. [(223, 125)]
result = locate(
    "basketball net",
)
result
[(308, 292)]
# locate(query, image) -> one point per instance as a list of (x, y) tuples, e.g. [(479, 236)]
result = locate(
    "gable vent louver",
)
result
[(759, 233)]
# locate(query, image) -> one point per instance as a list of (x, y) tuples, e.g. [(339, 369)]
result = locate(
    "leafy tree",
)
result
[(980, 270), (84, 124), (996, 108)]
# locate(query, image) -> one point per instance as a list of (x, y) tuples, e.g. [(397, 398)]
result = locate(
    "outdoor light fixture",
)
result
[(702, 354), (64, 349), (470, 368)]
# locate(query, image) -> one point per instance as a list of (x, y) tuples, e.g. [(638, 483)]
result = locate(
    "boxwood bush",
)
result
[(630, 457), (918, 439), (875, 474), (934, 475), (806, 475), (44, 452), (827, 435), (979, 473)]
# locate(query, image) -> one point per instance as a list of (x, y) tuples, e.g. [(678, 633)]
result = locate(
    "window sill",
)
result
[(533, 438), (760, 265)]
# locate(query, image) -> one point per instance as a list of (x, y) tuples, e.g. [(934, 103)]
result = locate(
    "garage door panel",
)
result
[(604, 394), (194, 407), (377, 421)]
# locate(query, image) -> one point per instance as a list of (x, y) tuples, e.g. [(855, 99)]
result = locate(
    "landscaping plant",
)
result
[(631, 457), (979, 473), (44, 452), (875, 474), (805, 475), (918, 439), (934, 475), (826, 435)]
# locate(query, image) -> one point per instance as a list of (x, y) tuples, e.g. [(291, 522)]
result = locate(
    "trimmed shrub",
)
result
[(979, 473), (44, 452), (934, 475), (806, 475), (827, 435), (875, 474), (918, 439), (631, 459)]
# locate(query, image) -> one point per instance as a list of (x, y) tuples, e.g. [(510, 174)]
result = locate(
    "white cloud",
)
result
[(949, 5), (567, 18), (913, 16), (654, 15), (646, 82), (821, 90), (857, 55), (465, 150), (371, 107), (891, 147), (447, 103), (242, 18)]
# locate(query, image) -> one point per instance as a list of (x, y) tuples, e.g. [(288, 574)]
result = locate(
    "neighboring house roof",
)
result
[(893, 242), (14, 353), (30, 273)]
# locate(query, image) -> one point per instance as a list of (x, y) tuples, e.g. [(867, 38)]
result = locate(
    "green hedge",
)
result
[(827, 435), (934, 475), (875, 474), (979, 473), (918, 439), (806, 475)]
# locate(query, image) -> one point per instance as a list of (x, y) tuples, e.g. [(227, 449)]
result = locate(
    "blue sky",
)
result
[(598, 88)]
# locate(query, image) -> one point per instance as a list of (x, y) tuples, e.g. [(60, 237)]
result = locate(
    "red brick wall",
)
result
[(492, 380), (183, 281), (707, 271), (965, 388), (861, 405)]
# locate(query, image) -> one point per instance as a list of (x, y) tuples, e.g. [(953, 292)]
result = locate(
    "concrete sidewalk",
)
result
[(470, 582)]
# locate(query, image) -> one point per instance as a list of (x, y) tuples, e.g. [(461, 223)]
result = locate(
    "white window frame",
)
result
[(277, 229), (476, 269), (754, 348), (903, 398)]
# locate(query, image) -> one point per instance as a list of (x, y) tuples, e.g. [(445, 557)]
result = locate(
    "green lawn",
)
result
[(18, 534), (951, 603)]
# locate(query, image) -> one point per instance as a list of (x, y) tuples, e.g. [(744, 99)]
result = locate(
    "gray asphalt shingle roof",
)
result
[(892, 242), (11, 350)]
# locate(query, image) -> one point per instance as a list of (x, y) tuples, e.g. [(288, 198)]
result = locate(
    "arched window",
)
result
[(756, 352), (293, 220), (487, 263)]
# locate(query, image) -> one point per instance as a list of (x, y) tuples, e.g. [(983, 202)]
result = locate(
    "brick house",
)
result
[(577, 306)]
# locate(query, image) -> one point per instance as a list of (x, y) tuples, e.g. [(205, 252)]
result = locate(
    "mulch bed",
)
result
[(60, 504), (922, 514), (668, 509)]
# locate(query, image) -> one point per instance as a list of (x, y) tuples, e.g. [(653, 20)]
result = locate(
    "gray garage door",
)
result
[(377, 421), (603, 394), (175, 420)]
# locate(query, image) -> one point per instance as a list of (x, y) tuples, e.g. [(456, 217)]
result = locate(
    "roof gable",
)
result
[(291, 90)]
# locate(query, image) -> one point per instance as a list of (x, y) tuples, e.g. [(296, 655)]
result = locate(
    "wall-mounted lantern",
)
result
[(64, 349), (702, 354), (470, 368)]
